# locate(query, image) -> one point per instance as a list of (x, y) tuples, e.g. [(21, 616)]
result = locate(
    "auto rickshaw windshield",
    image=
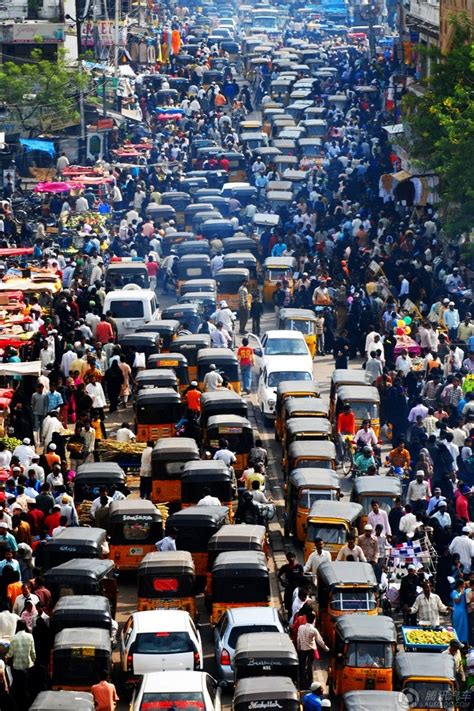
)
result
[(329, 533), (364, 653), (350, 599)]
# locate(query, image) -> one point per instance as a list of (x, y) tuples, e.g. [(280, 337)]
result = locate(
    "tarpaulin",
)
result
[(32, 144), (57, 187), (33, 368)]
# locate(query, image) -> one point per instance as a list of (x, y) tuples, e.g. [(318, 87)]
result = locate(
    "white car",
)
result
[(278, 369), (274, 344), (159, 640), (190, 690)]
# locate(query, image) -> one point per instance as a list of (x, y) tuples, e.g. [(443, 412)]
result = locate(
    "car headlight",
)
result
[(271, 402)]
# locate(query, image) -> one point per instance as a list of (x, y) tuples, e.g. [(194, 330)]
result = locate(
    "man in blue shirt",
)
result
[(313, 700), (10, 562)]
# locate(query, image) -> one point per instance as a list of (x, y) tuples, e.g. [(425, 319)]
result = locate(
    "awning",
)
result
[(33, 368), (31, 144)]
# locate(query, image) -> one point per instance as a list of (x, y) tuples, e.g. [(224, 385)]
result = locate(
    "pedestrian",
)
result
[(145, 470), (104, 693), (168, 543), (22, 655), (256, 313), (460, 617), (246, 360), (243, 306), (307, 641)]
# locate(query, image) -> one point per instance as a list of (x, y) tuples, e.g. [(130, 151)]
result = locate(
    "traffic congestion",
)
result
[(237, 393)]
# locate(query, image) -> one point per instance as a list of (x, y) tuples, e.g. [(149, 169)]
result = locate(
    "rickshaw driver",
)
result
[(367, 437)]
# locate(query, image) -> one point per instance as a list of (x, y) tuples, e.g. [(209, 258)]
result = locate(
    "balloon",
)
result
[(394, 323), (407, 330), (400, 331), (407, 320), (400, 323)]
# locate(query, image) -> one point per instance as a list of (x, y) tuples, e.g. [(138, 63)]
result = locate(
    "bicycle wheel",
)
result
[(347, 461)]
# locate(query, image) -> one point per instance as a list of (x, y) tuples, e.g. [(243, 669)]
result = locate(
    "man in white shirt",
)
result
[(225, 316), (212, 380), (408, 523), (168, 543), (464, 546), (403, 362), (208, 499), (318, 556), (24, 452), (145, 470), (81, 204), (67, 359), (96, 393), (125, 434)]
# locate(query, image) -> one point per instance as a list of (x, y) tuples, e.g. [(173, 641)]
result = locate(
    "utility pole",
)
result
[(116, 35)]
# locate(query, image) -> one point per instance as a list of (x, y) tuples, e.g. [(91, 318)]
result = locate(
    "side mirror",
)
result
[(258, 352), (222, 684)]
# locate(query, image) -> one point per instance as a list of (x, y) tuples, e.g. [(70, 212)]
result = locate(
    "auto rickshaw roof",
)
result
[(214, 399), (77, 536), (83, 637), (240, 256), (245, 243), (310, 405), (63, 701), (207, 470), (314, 478), (179, 562), (99, 469), (338, 572), (199, 515), (197, 339), (173, 196), (343, 510), (138, 509), (228, 419), (168, 358), (320, 448), (377, 485), (297, 314), (163, 396), (96, 603), (420, 664), (127, 265), (298, 386), (194, 257), (194, 284), (262, 689), (179, 447), (167, 325), (280, 262), (216, 355), (265, 644), (375, 700), (232, 273), (267, 219), (146, 339), (245, 535), (232, 563), (313, 425), (366, 628), (155, 375), (91, 568), (358, 393), (341, 376)]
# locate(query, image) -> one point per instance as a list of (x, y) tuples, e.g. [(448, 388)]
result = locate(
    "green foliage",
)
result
[(441, 125), (42, 94)]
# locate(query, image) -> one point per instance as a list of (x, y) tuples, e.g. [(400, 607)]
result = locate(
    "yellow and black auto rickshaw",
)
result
[(73, 542), (239, 579), (365, 404), (179, 201), (305, 486), (277, 269), (384, 489), (83, 576), (429, 679), (302, 320), (194, 527), (167, 329), (344, 588), (158, 410), (291, 389), (190, 346), (79, 656), (176, 361), (363, 654), (135, 526), (226, 364), (265, 654), (346, 376), (375, 700), (188, 315), (214, 475), (304, 429), (229, 282), (167, 580), (316, 453), (167, 462), (332, 521), (238, 432), (244, 260), (155, 378), (81, 611), (275, 692), (193, 266), (221, 402)]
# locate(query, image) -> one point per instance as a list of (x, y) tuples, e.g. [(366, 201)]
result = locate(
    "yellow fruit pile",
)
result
[(422, 636)]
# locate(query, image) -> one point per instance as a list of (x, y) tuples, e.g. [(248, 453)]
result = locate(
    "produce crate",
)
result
[(425, 634)]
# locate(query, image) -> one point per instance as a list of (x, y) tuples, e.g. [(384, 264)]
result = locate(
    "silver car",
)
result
[(237, 621)]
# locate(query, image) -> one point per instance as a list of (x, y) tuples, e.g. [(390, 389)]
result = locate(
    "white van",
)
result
[(131, 307)]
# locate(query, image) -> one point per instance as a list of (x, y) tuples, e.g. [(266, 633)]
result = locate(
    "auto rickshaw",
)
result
[(166, 329), (265, 654), (247, 261), (203, 215), (239, 579), (190, 346), (221, 402), (172, 239), (167, 580), (176, 362), (363, 654), (365, 404), (304, 429), (158, 410), (332, 521), (237, 430), (135, 526), (61, 700), (302, 320), (193, 266), (237, 537), (144, 342), (193, 246), (195, 525), (305, 486), (243, 192), (375, 700), (214, 475), (218, 202), (73, 542), (204, 301), (229, 282), (384, 489), (92, 476), (276, 692), (179, 201), (189, 315), (160, 213), (217, 227), (429, 679), (193, 210), (79, 657), (83, 576), (305, 453), (277, 269), (226, 363), (167, 463), (348, 376), (291, 389), (344, 588), (240, 243), (81, 611), (206, 286), (155, 378), (237, 171)]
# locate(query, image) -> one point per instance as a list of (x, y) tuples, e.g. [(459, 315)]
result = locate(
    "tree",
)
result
[(441, 128), (41, 94)]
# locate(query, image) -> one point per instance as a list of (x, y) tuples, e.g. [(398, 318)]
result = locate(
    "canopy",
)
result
[(33, 368), (15, 251), (57, 187), (31, 144)]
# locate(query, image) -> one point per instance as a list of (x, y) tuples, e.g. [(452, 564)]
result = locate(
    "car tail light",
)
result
[(197, 660), (225, 658), (129, 662)]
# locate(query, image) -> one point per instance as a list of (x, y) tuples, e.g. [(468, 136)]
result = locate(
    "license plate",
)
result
[(136, 551)]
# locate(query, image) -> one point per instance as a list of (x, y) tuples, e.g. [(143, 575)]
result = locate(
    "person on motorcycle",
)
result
[(399, 456), (247, 511), (364, 459), (367, 437)]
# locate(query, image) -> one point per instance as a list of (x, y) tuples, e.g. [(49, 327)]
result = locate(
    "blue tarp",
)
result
[(32, 144)]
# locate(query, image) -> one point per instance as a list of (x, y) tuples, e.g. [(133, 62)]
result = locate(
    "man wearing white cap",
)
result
[(435, 500), (369, 545), (464, 546), (442, 516), (451, 320), (24, 452), (418, 492), (313, 700), (224, 316)]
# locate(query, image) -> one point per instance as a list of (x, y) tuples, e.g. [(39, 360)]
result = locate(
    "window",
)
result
[(136, 530), (278, 377), (386, 503), (370, 654), (350, 600), (246, 629), (211, 687), (309, 496), (329, 534), (127, 309), (163, 643), (191, 701), (305, 327)]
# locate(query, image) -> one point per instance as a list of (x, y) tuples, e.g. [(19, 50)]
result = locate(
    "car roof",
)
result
[(245, 615), (285, 334), (281, 363), (160, 620), (174, 680), (130, 295)]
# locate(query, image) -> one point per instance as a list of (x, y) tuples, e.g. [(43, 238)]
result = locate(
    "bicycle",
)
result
[(347, 449)]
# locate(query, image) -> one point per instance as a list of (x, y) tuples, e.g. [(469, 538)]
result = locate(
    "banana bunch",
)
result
[(421, 636), (10, 442), (108, 449)]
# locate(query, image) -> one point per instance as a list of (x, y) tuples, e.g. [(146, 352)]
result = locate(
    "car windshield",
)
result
[(278, 377), (386, 502), (302, 326), (246, 629), (163, 643), (191, 701), (286, 346)]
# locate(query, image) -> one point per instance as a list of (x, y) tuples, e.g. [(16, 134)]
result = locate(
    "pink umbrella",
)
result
[(57, 187)]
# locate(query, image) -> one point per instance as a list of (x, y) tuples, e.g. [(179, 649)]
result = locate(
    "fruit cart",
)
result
[(427, 639)]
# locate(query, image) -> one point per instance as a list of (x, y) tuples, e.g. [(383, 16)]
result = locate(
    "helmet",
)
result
[(367, 449), (398, 470)]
